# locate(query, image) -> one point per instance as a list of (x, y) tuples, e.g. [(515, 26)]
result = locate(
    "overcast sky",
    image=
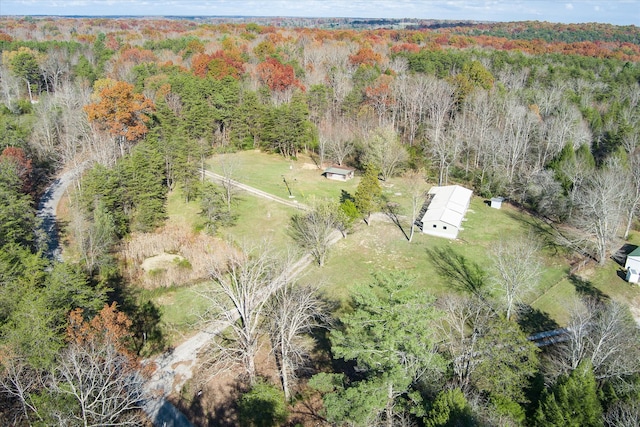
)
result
[(619, 12)]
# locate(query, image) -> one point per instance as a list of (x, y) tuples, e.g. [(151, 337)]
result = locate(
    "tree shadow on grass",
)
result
[(345, 195), (532, 320), (465, 275), (586, 289), (548, 234), (392, 211)]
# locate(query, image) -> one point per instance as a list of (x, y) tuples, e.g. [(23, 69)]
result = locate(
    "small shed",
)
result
[(633, 276), (633, 260), (496, 202), (339, 173)]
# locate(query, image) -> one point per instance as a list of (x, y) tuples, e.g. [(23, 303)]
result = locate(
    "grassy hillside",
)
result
[(382, 246)]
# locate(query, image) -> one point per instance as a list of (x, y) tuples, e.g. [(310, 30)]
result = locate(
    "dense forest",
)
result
[(545, 115)]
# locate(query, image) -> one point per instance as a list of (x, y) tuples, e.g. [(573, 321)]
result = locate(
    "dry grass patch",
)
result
[(173, 255)]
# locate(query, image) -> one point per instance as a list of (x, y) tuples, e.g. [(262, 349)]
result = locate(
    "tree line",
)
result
[(556, 133)]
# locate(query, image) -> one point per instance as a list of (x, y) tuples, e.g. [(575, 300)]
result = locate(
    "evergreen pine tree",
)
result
[(368, 194)]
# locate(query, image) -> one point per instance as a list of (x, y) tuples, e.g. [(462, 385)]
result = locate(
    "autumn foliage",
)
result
[(108, 326), (119, 110), (406, 47), (217, 65), (365, 56), (278, 76)]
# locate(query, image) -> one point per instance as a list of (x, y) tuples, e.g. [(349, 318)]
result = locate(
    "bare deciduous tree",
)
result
[(623, 414), (417, 189), (604, 333), (9, 88), (633, 191), (517, 270), (488, 352), (18, 380), (62, 130), (517, 125), (477, 123), (409, 91), (338, 141), (565, 126), (238, 295), (464, 317), (313, 230), (102, 381), (441, 100), (384, 151), (293, 312), (55, 65), (598, 210), (228, 167)]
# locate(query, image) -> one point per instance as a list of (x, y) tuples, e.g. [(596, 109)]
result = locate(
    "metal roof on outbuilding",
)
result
[(449, 204), (635, 252)]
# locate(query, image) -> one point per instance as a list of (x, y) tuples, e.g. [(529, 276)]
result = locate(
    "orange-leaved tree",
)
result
[(365, 56), (120, 111), (96, 373), (218, 65), (278, 76), (108, 326)]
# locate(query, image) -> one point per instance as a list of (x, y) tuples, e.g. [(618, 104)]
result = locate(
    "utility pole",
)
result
[(291, 196)]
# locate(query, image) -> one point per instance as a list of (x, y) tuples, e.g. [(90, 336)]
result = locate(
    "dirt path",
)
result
[(176, 367), (219, 179), (47, 208)]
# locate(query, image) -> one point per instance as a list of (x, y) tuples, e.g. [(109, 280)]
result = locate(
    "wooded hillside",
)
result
[(545, 115)]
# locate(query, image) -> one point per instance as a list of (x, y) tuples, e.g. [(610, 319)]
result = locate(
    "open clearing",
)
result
[(383, 247)]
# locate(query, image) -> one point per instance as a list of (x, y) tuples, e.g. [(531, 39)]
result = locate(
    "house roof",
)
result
[(448, 205), (635, 253), (339, 170)]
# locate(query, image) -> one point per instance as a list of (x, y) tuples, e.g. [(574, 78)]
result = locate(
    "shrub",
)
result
[(263, 406)]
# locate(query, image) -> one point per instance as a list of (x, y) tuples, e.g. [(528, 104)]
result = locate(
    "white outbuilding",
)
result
[(632, 265), (443, 217), (496, 202), (633, 259), (339, 173)]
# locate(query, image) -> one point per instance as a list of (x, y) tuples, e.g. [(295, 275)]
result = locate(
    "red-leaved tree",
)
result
[(278, 76)]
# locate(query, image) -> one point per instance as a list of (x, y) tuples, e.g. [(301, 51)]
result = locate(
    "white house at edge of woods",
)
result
[(444, 214), (632, 265)]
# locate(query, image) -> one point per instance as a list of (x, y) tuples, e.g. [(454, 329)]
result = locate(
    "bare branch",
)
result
[(237, 296), (293, 313)]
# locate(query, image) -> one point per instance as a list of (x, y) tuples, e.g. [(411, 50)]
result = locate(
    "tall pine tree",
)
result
[(368, 193)]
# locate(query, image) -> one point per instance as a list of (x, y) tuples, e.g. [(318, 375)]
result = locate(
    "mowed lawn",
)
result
[(382, 246), (269, 172)]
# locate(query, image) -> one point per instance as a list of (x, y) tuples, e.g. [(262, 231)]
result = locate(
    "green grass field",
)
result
[(383, 246), (180, 212), (260, 219), (180, 308), (268, 172)]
